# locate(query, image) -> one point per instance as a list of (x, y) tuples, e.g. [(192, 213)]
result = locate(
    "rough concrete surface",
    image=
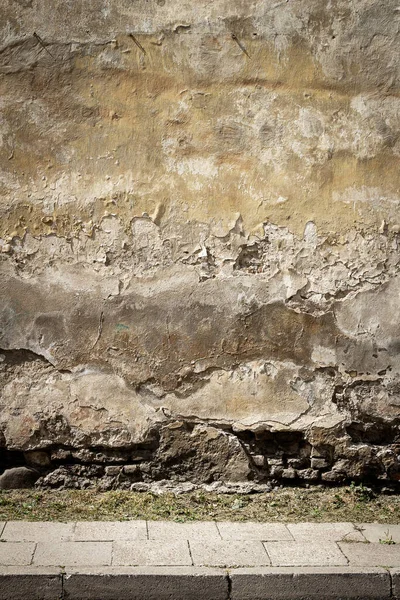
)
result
[(199, 223)]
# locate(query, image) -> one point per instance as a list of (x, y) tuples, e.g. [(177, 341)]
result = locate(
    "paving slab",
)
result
[(152, 583), (40, 531), (264, 532), (66, 554), (152, 553), (110, 530), (310, 583), (300, 554), (371, 555), (17, 583), (326, 532), (231, 553), (16, 553), (161, 530), (374, 532)]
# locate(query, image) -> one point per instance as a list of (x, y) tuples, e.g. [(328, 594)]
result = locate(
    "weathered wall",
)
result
[(200, 239)]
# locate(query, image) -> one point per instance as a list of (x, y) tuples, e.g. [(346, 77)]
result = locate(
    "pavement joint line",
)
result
[(341, 551), (219, 532), (390, 582), (33, 553), (263, 544), (360, 530), (190, 552), (147, 529), (290, 533), (112, 553), (229, 584), (3, 528), (62, 595)]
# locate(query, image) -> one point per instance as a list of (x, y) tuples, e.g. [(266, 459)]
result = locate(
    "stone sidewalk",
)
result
[(198, 560)]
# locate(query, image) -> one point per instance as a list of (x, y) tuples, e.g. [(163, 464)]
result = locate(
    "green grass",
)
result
[(287, 504)]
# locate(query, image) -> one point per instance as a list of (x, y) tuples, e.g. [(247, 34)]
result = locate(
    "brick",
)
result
[(229, 553), (66, 554), (40, 531), (254, 531), (152, 553), (16, 553), (374, 532), (17, 584), (319, 463), (372, 555), (310, 583), (326, 532), (299, 554), (152, 583), (160, 530), (110, 530), (130, 469), (113, 470)]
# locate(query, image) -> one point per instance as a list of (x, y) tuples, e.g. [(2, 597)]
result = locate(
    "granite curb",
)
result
[(191, 583)]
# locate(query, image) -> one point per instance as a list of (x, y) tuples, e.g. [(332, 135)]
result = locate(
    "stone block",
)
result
[(308, 474), (131, 469), (37, 531), (152, 553), (333, 532), (152, 583), (16, 553), (228, 553), (16, 583), (319, 463), (112, 470), (258, 460), (375, 532), (162, 530), (37, 458), (371, 555), (288, 474), (110, 530), (301, 554), (72, 554), (18, 478), (312, 583), (254, 531), (333, 476)]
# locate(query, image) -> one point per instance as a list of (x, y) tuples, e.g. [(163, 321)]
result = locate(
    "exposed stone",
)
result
[(37, 458), (332, 477), (139, 486), (18, 478), (130, 469), (289, 473), (258, 460), (202, 454), (308, 474), (318, 463), (112, 470)]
